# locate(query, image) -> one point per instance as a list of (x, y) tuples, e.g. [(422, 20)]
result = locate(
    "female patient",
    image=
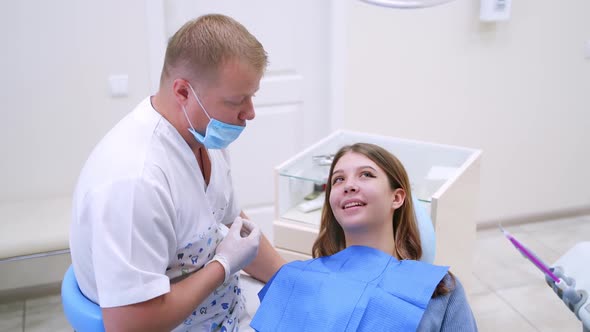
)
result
[(366, 275)]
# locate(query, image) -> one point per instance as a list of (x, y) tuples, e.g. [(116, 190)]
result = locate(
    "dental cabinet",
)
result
[(444, 179)]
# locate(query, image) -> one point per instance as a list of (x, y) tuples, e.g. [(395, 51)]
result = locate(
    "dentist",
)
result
[(148, 237)]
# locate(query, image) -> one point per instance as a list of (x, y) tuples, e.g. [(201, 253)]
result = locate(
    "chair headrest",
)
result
[(427, 238)]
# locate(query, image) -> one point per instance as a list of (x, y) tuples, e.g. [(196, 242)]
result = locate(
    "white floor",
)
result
[(509, 293)]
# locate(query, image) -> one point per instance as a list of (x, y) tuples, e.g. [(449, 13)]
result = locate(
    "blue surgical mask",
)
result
[(218, 135)]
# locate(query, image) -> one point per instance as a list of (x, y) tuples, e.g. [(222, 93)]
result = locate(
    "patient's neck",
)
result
[(379, 240)]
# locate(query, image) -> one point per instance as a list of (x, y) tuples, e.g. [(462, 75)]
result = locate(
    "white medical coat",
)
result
[(143, 216)]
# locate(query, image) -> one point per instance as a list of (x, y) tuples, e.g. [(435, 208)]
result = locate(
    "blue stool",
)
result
[(82, 314)]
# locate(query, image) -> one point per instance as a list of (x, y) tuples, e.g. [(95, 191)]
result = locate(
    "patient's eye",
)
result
[(337, 179), (367, 174)]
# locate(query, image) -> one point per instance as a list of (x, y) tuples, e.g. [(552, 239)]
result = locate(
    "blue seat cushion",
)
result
[(82, 314)]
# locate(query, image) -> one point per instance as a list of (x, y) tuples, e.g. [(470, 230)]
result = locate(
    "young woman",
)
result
[(365, 275)]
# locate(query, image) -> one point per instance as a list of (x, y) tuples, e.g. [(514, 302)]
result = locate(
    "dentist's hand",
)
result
[(235, 252)]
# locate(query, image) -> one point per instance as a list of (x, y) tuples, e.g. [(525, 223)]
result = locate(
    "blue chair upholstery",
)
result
[(427, 238), (82, 314)]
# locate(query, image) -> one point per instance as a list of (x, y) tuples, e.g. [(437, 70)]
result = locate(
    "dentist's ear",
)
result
[(180, 88), (399, 195)]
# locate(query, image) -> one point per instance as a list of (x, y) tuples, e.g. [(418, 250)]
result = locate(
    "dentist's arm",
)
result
[(169, 310)]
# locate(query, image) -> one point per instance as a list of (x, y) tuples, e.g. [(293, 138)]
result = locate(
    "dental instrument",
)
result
[(529, 255), (575, 261)]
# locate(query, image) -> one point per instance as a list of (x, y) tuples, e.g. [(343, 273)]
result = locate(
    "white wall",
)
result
[(519, 90), (55, 62)]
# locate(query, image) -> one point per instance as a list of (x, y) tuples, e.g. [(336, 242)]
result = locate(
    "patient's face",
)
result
[(361, 198)]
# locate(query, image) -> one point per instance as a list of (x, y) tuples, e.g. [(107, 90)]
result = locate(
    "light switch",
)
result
[(119, 85), (587, 50)]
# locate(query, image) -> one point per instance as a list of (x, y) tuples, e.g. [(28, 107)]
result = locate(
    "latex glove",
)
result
[(239, 247)]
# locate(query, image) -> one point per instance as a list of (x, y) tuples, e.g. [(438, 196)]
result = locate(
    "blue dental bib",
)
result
[(356, 289)]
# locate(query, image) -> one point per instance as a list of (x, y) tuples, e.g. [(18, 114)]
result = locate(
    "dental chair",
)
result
[(86, 316), (82, 314), (427, 238)]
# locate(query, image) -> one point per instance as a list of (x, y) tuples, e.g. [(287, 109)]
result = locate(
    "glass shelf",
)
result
[(423, 190), (429, 166), (318, 175)]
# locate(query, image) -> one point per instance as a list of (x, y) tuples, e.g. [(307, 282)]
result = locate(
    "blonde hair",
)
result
[(205, 43), (406, 235)]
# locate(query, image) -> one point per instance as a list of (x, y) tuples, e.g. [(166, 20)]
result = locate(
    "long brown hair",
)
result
[(406, 235)]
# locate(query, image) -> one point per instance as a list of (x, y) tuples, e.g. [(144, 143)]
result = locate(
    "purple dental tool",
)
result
[(530, 256)]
